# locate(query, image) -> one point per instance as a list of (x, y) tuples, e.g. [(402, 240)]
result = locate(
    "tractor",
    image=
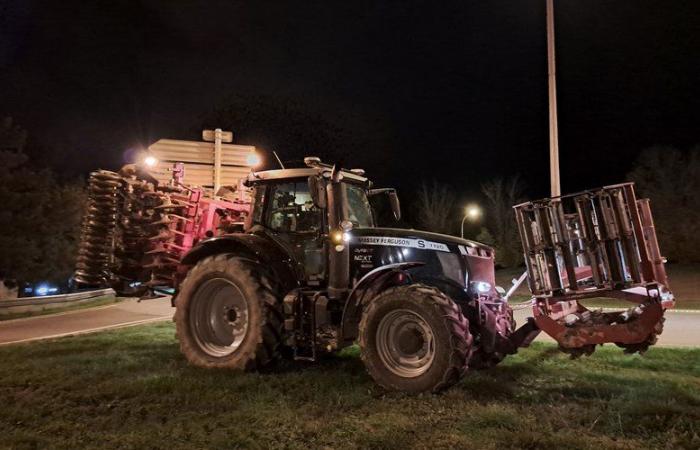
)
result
[(312, 273), (309, 272)]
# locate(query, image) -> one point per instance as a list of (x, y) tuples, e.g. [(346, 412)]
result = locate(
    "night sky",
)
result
[(454, 91)]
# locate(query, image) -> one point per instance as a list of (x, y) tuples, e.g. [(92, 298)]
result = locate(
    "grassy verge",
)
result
[(99, 301), (131, 388)]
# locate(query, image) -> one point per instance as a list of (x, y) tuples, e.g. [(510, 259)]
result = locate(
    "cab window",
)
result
[(258, 201), (359, 210), (292, 209)]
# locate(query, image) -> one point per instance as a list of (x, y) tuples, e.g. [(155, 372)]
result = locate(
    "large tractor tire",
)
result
[(228, 315), (414, 339)]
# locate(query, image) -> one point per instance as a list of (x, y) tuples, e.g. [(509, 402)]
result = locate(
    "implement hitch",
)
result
[(597, 243)]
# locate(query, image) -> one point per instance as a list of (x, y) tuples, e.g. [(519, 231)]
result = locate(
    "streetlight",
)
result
[(471, 212), (150, 161), (253, 159)]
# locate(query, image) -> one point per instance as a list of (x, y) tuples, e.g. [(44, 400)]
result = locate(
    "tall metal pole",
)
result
[(217, 160), (555, 183)]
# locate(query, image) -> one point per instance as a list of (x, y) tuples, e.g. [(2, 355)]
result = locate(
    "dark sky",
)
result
[(454, 91)]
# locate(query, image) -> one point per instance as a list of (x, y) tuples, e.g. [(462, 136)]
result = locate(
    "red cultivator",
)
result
[(136, 230), (598, 243)]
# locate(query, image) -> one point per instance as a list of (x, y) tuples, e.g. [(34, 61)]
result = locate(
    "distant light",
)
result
[(42, 290), (473, 212), (253, 159), (150, 161)]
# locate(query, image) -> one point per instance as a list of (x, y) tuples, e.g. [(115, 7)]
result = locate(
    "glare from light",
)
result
[(150, 161), (483, 287), (45, 289), (473, 212), (253, 159), (346, 237), (42, 290)]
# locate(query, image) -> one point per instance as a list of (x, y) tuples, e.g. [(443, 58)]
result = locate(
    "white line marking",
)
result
[(92, 330)]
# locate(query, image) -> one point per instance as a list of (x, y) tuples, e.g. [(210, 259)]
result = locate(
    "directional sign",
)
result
[(199, 159), (210, 135)]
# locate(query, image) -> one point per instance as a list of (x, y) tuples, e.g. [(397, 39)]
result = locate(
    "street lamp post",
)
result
[(555, 184), (471, 212)]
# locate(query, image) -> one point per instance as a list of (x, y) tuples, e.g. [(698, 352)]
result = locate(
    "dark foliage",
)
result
[(670, 178), (434, 208), (500, 229), (39, 217)]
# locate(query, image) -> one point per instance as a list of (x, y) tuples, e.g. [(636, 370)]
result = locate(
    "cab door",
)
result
[(293, 219)]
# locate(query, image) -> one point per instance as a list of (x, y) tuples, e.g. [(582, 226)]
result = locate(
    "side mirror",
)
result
[(395, 205), (318, 192), (393, 200)]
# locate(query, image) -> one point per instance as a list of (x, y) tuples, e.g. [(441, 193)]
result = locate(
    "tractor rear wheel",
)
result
[(228, 315), (414, 339)]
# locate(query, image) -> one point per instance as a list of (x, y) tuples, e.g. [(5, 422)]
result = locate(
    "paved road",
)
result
[(681, 328), (126, 313)]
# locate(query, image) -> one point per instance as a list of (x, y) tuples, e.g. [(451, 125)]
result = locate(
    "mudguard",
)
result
[(252, 246), (365, 289)]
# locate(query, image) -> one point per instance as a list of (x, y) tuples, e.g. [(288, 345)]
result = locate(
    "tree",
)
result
[(670, 178), (500, 229), (40, 222), (435, 208)]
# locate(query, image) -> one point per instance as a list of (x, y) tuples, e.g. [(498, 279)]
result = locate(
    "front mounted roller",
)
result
[(415, 339), (228, 315), (599, 243)]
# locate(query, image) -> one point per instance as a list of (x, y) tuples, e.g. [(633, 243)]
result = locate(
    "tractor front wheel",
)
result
[(228, 316), (414, 339)]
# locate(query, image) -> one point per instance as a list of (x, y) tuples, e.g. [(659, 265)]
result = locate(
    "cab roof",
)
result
[(319, 168)]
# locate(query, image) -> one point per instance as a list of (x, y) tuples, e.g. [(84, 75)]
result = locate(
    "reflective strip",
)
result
[(403, 242)]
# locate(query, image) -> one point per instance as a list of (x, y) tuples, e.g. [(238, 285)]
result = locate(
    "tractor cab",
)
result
[(310, 213)]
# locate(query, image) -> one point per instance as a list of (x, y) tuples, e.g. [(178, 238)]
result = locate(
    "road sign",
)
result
[(199, 159), (210, 135)]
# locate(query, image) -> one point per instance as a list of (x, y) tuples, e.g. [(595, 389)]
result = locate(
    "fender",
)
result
[(364, 290), (251, 246)]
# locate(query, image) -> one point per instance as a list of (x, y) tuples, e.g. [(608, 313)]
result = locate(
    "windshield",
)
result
[(359, 211)]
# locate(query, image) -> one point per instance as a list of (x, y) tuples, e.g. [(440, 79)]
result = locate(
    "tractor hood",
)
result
[(444, 259), (419, 239)]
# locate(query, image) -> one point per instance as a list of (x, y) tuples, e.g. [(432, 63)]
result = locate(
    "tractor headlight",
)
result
[(341, 236), (481, 287)]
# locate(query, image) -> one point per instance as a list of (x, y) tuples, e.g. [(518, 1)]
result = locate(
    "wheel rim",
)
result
[(219, 317), (405, 343)]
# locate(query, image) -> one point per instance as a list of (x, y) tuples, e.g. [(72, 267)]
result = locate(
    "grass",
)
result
[(131, 388), (683, 278), (99, 301)]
